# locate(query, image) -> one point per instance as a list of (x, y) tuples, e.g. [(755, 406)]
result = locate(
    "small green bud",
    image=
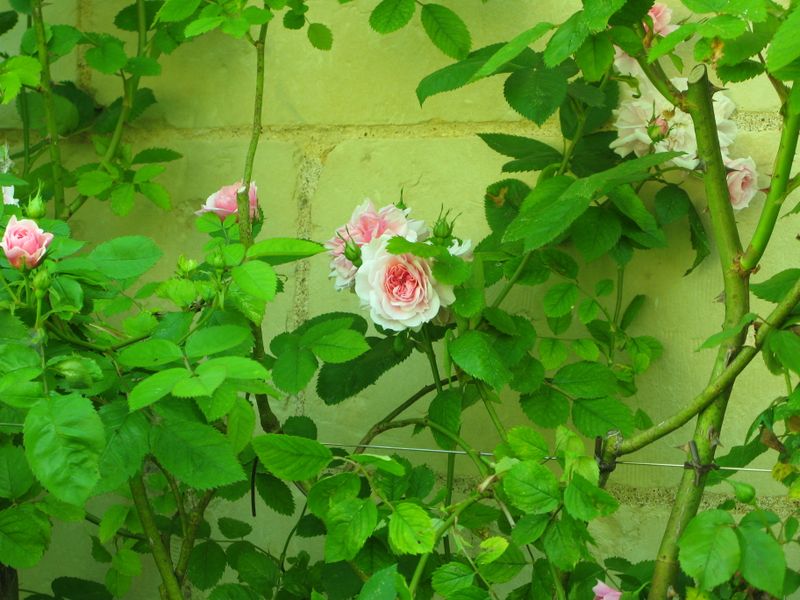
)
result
[(216, 259), (36, 208), (352, 252), (658, 129), (443, 229), (42, 280), (76, 372), (186, 265)]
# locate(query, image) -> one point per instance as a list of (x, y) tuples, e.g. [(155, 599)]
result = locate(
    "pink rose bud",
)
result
[(604, 592), (366, 224), (24, 243), (658, 129), (224, 201), (661, 15)]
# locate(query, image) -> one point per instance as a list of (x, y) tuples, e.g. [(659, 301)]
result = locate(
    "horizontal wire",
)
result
[(462, 453)]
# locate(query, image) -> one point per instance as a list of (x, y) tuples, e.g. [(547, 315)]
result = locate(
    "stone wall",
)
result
[(344, 125)]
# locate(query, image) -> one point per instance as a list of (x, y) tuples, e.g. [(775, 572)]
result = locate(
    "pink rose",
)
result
[(8, 195), (399, 289), (224, 203), (365, 225), (603, 592), (24, 243), (743, 181), (661, 15)]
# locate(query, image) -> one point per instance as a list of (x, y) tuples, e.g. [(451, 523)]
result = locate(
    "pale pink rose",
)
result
[(462, 249), (365, 225), (661, 15), (627, 65), (637, 119), (604, 592), (24, 243), (8, 196), (744, 182), (223, 202), (399, 289)]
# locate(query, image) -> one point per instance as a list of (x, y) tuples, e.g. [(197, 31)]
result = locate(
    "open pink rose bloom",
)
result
[(24, 243)]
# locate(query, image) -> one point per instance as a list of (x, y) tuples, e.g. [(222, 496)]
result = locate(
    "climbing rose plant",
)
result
[(166, 386)]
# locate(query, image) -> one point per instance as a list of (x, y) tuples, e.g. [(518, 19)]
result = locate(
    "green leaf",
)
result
[(456, 75), (529, 529), (349, 524), (16, 72), (108, 56), (536, 93), (527, 444), (127, 444), (385, 584), (585, 501), (672, 203), (257, 279), (290, 457), (728, 333), (155, 155), (143, 66), (156, 193), (763, 562), (391, 15), (207, 563), (776, 287), (698, 237), (112, 521), (532, 487), (510, 50), (320, 36), (177, 10), (543, 216), (125, 257), (241, 422), (340, 346), (339, 382), (530, 154), (411, 530), (72, 588), (596, 232), (477, 355), (155, 387), (560, 299), (64, 437), (598, 12), (24, 536), (598, 416), (331, 490), (563, 542), (92, 183), (275, 494), (709, 550), (451, 577), (197, 454), (16, 477), (446, 30), (595, 57), (277, 251), (380, 462), (566, 40), (122, 197), (586, 380), (445, 411), (216, 339), (150, 353), (669, 42), (294, 368), (8, 19), (203, 25), (546, 407), (786, 346), (785, 45), (233, 528)]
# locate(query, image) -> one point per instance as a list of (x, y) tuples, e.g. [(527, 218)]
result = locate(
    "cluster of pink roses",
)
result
[(645, 121), (399, 290), (24, 243)]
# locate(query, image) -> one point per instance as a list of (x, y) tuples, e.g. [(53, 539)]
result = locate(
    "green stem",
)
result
[(442, 530), (471, 452), (49, 108), (487, 402), (243, 204), (419, 395), (24, 114), (778, 191), (710, 419), (716, 387), (289, 537), (450, 474), (171, 588), (195, 518)]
